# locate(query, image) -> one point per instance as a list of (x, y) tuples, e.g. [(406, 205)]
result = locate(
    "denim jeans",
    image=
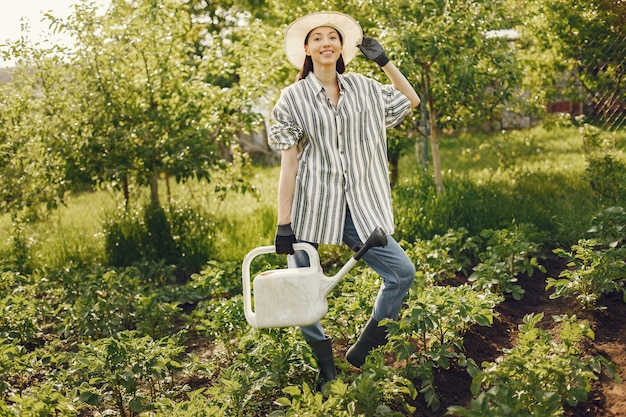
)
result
[(390, 262)]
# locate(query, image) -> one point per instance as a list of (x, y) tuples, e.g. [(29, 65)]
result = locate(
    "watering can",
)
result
[(294, 296)]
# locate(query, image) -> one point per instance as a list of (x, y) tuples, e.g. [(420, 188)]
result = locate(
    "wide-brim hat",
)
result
[(296, 33)]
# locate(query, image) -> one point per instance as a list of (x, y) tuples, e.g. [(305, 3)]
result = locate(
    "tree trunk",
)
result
[(434, 147), (154, 188), (126, 190), (433, 136), (393, 170)]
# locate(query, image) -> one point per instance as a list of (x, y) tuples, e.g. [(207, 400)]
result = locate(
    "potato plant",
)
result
[(509, 254), (429, 333), (592, 272), (539, 375)]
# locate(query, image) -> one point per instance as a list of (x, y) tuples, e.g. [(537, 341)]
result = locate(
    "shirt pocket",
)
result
[(358, 126)]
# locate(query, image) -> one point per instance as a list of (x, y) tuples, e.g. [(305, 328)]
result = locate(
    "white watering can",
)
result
[(294, 296)]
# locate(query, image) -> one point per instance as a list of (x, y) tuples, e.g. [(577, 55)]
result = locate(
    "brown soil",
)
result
[(607, 397)]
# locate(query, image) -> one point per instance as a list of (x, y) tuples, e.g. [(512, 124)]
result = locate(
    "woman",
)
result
[(334, 182)]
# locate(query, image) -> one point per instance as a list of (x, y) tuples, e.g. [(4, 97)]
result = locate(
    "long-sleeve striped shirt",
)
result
[(343, 162)]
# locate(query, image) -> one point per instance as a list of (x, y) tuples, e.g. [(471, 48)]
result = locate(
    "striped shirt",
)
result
[(343, 162)]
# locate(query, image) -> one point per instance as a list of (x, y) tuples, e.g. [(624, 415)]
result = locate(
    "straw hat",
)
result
[(350, 31)]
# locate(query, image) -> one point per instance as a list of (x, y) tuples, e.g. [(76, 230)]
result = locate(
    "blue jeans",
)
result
[(390, 262)]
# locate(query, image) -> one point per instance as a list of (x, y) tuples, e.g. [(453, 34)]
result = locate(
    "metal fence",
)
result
[(605, 83)]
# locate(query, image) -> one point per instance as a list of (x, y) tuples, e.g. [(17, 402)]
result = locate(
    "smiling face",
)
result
[(324, 45)]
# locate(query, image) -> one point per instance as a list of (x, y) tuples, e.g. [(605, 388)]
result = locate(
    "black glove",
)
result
[(284, 240), (373, 50)]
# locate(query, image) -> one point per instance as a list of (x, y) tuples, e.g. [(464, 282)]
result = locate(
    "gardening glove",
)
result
[(284, 240), (373, 50)]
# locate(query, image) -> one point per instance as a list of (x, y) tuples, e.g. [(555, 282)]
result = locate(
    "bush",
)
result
[(422, 213), (182, 236)]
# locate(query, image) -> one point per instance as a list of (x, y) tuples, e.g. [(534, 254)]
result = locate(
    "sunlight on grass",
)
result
[(545, 169)]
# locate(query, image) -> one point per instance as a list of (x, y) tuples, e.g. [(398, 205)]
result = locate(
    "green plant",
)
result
[(370, 394), (302, 401), (128, 372), (103, 305), (10, 361), (193, 232), (350, 303), (197, 405), (46, 399), (221, 320), (21, 318), (429, 333), (606, 170), (155, 316), (609, 227), (442, 257), (593, 271), (538, 375), (509, 253)]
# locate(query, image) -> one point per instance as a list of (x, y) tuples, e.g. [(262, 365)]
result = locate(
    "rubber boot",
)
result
[(323, 350), (372, 337)]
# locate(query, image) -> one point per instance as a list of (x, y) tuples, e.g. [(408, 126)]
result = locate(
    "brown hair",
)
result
[(308, 61)]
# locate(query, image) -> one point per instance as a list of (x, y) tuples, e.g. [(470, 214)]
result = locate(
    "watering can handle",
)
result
[(245, 273), (376, 239)]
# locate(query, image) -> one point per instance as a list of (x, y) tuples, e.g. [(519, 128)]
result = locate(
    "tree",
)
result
[(583, 46), (32, 167), (466, 76), (152, 102)]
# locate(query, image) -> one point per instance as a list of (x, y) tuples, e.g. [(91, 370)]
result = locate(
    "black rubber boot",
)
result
[(372, 337), (323, 350)]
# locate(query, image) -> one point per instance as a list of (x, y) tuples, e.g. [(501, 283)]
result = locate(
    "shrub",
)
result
[(606, 171), (182, 236)]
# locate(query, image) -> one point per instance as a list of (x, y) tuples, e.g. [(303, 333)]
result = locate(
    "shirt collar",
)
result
[(316, 85)]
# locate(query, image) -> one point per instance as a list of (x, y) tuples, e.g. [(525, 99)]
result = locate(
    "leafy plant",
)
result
[(46, 399), (609, 227), (10, 361), (370, 394), (538, 375), (443, 256), (593, 272), (606, 170), (104, 305), (350, 303), (509, 253), (128, 372), (197, 405), (429, 333), (302, 401), (221, 320)]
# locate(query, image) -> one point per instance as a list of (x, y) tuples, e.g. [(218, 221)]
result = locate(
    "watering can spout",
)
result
[(294, 296), (376, 239)]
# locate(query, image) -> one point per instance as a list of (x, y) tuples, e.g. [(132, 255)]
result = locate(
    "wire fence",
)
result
[(605, 84)]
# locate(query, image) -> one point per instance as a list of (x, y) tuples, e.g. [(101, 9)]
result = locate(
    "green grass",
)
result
[(535, 176)]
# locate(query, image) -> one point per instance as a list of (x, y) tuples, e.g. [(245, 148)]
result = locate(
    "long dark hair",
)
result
[(308, 61)]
